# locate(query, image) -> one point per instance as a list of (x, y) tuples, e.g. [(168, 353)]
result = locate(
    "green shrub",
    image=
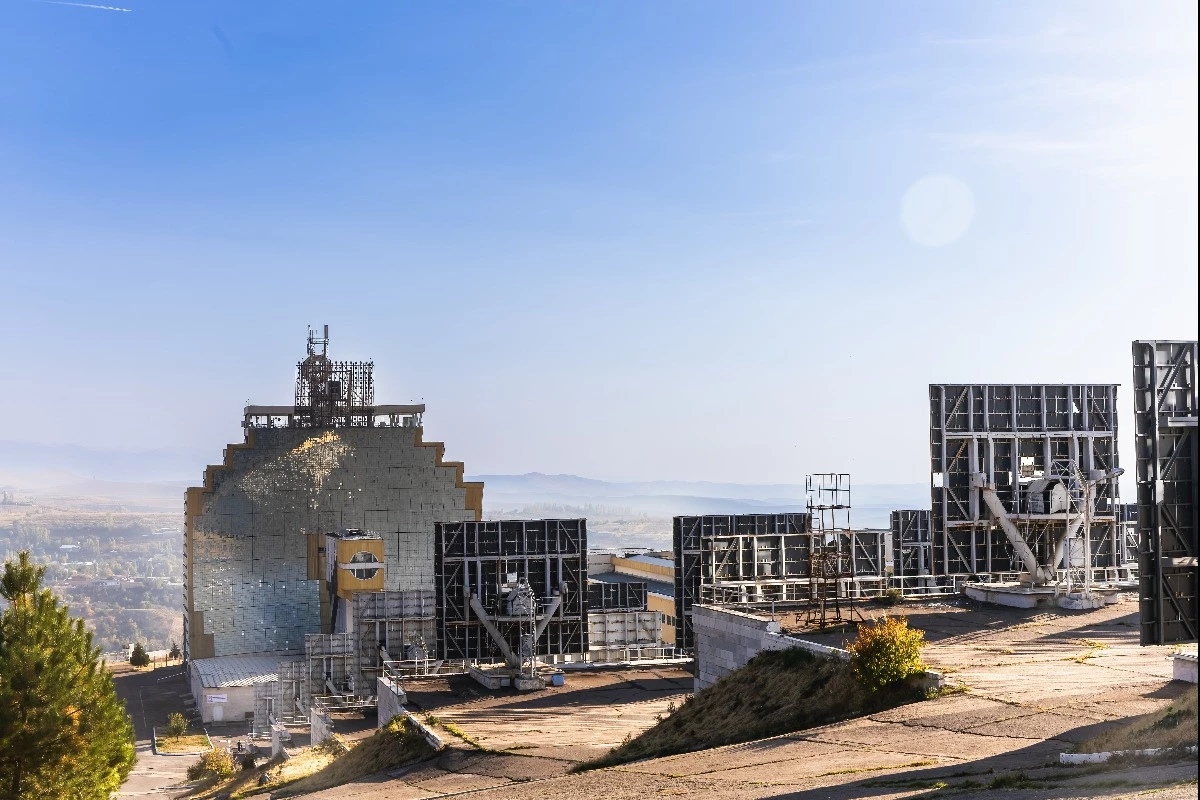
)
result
[(139, 657), (177, 724), (216, 762), (885, 652), (892, 597)]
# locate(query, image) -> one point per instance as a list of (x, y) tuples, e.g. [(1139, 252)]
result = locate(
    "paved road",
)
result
[(150, 696)]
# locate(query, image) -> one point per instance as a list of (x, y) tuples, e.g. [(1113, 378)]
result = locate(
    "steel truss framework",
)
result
[(401, 623), (1164, 384), (749, 558), (1013, 433), (481, 557), (282, 700), (629, 596), (1127, 516), (828, 569), (912, 543), (331, 667)]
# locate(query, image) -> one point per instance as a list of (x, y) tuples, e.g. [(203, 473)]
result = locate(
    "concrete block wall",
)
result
[(320, 726), (726, 639), (248, 559), (391, 700), (279, 739)]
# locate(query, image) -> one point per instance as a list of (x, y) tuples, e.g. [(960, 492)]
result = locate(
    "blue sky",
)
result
[(722, 241)]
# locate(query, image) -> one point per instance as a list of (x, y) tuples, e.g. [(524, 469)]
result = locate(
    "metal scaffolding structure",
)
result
[(393, 626), (830, 572), (332, 668), (1127, 518), (1007, 439), (282, 701), (332, 393), (1165, 410), (496, 564)]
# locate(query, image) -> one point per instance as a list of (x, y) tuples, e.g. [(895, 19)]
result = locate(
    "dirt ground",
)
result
[(1034, 682)]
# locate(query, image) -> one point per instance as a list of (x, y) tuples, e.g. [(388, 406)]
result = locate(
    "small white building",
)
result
[(223, 687)]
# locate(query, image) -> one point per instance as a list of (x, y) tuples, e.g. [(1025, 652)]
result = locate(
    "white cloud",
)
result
[(83, 5)]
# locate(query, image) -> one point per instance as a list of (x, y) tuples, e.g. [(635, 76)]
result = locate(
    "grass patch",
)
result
[(1092, 643), (323, 766), (278, 771), (398, 743), (775, 693), (454, 730), (187, 743), (857, 770), (1174, 726)]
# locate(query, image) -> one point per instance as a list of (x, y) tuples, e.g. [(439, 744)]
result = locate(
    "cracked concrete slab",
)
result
[(1034, 683)]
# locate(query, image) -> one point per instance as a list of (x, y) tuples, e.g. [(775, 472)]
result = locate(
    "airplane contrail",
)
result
[(83, 5)]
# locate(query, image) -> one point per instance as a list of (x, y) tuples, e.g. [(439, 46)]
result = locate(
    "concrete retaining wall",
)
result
[(279, 739), (727, 639), (391, 700), (391, 705), (320, 726)]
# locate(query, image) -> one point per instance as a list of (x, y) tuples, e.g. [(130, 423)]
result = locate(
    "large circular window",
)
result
[(370, 566)]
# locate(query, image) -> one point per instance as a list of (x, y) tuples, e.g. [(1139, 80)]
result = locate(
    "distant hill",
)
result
[(154, 480), (26, 465), (871, 503)]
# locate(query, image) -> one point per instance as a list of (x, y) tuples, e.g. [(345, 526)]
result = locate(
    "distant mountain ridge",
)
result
[(50, 465), (156, 478), (871, 503)]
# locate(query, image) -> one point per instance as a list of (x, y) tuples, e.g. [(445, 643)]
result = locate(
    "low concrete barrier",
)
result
[(1100, 758), (279, 735), (727, 639), (1183, 667), (435, 741)]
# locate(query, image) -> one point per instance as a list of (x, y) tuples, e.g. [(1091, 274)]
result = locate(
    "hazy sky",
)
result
[(687, 240)]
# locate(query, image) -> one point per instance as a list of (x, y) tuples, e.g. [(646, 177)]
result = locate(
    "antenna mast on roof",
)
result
[(313, 342)]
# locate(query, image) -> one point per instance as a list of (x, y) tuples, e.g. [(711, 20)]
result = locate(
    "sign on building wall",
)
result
[(218, 698)]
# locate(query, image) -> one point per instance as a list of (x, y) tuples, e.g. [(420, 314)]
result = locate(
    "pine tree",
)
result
[(63, 731), (139, 657)]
